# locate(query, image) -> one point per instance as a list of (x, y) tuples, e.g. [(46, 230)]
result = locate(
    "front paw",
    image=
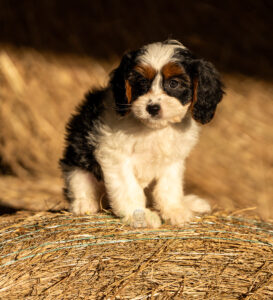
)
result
[(142, 218), (178, 216), (82, 207)]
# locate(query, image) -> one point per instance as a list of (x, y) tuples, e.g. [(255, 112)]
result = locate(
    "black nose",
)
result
[(153, 109)]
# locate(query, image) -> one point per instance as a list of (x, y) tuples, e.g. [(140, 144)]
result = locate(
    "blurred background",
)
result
[(53, 52)]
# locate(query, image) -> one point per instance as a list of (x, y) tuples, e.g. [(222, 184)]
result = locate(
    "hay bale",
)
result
[(60, 256)]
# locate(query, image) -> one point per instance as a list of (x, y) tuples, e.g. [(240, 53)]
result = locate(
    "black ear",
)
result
[(120, 85), (207, 90)]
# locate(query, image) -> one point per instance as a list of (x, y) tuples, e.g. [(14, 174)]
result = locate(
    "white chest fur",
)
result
[(146, 151)]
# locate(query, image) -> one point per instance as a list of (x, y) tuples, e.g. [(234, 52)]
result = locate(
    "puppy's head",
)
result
[(161, 82)]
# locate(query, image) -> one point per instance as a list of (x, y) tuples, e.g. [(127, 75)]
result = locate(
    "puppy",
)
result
[(137, 132)]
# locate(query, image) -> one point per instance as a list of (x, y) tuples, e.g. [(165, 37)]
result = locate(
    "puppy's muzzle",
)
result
[(153, 109)]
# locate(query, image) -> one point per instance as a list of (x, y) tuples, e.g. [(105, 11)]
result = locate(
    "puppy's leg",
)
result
[(126, 196), (84, 191), (169, 197)]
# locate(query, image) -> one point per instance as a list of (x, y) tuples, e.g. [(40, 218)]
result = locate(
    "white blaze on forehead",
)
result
[(159, 54), (156, 85)]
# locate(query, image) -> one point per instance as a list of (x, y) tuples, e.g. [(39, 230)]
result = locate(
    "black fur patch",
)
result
[(182, 91), (79, 152), (210, 88), (118, 78), (209, 91), (183, 54), (139, 84)]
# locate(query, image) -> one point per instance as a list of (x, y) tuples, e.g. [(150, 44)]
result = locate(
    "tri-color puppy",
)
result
[(137, 132)]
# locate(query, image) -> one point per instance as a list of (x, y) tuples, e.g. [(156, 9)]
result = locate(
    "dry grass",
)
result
[(232, 164), (48, 255)]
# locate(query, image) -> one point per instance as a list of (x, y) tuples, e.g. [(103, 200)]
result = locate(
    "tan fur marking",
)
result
[(194, 96), (128, 91), (172, 69), (146, 71)]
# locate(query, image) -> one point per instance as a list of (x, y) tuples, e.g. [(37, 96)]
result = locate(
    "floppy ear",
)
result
[(120, 84), (207, 90)]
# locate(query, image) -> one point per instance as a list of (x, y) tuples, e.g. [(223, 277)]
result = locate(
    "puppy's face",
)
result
[(161, 82), (159, 96)]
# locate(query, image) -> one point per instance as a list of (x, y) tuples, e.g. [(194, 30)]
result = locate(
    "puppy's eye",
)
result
[(173, 84)]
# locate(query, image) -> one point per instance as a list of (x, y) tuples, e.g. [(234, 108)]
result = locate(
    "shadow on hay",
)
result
[(7, 210)]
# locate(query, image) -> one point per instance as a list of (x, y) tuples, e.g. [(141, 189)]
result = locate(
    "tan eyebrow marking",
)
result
[(194, 96), (146, 71), (172, 69)]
